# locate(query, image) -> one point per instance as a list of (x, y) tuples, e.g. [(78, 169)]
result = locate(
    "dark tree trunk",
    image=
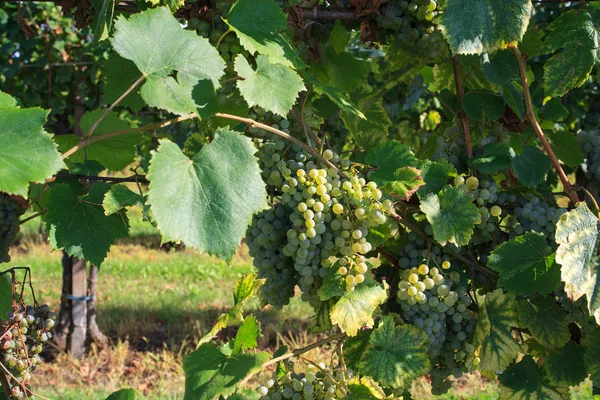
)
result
[(63, 327), (95, 333)]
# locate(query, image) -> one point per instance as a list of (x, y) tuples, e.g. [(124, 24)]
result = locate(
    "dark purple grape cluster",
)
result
[(22, 338), (10, 211)]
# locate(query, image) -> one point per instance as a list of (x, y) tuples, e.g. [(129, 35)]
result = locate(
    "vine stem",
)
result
[(39, 214), (150, 127), (90, 132), (296, 353), (521, 61), (460, 92), (86, 141), (227, 32)]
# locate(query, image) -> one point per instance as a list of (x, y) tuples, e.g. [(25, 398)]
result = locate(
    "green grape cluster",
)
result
[(10, 211), (536, 215), (214, 29), (436, 300), (410, 23), (589, 141), (578, 314), (22, 338), (451, 148), (320, 222), (312, 384)]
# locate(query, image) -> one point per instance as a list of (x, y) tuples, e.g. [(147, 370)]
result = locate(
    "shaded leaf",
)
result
[(523, 265), (546, 321), (496, 156), (531, 166), (524, 381), (566, 367), (482, 106)]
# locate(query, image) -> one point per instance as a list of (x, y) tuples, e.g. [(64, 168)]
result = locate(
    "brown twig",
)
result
[(459, 95), (522, 63)]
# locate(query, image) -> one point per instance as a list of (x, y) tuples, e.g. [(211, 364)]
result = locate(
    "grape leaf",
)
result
[(205, 98), (480, 26), (321, 321), (123, 394), (501, 67), (119, 75), (390, 156), (258, 24), (364, 388), (532, 42), (554, 110), (497, 347), (338, 97), (103, 16), (209, 373), (566, 367), (566, 147), (407, 181), (355, 309), (355, 349), (245, 288), (274, 87), (114, 153), (483, 106), (592, 360), (147, 39), (370, 129), (27, 152), (513, 95), (120, 197), (247, 335), (396, 355), (496, 156), (77, 224), (523, 266), (435, 175), (168, 94), (339, 37), (577, 239), (546, 321), (207, 201), (452, 215), (524, 381), (531, 166), (344, 71), (574, 40), (7, 100)]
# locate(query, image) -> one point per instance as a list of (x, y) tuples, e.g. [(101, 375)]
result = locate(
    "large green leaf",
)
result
[(259, 24), (565, 367), (389, 156), (120, 197), (27, 152), (524, 267), (525, 381), (158, 45), (531, 166), (355, 309), (274, 87), (114, 153), (77, 223), (209, 373), (435, 175), (452, 215), (592, 360), (496, 156), (574, 40), (577, 239), (123, 394), (480, 26), (119, 75), (207, 201), (546, 321), (245, 288), (483, 106), (497, 347), (247, 335), (407, 181), (397, 354), (566, 147)]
